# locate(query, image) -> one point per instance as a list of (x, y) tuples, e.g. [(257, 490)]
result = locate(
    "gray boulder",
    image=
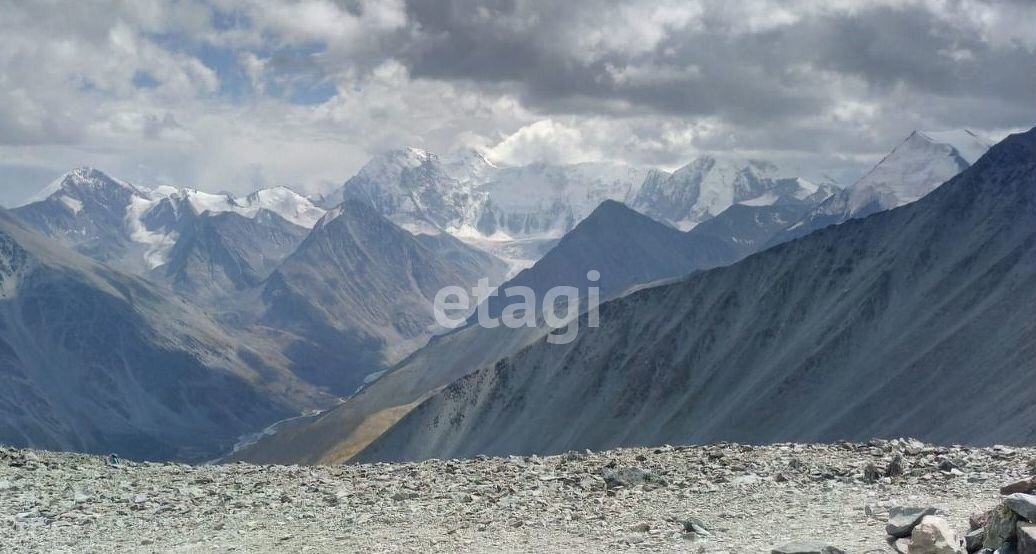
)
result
[(903, 519), (978, 520), (973, 540), (696, 526), (1022, 504)]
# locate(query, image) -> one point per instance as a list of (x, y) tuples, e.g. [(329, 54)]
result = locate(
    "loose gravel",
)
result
[(700, 499)]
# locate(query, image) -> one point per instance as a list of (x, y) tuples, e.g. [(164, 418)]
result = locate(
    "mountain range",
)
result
[(518, 213), (343, 292), (308, 300), (96, 360), (135, 228), (634, 249), (870, 328), (707, 186)]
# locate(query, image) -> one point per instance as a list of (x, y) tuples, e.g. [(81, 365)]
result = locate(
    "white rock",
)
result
[(933, 536)]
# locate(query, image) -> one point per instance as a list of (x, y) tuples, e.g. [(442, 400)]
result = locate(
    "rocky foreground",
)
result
[(708, 499)]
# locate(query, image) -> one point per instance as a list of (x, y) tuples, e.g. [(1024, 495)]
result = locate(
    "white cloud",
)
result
[(214, 93), (313, 21), (544, 140), (635, 28)]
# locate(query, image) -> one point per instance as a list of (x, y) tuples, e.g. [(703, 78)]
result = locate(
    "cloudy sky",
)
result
[(240, 94)]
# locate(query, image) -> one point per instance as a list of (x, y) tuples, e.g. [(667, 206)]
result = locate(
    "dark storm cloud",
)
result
[(712, 69), (888, 46), (552, 78)]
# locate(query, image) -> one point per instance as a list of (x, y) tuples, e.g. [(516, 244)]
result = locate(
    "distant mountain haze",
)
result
[(310, 300), (360, 285), (869, 328), (98, 361), (913, 169), (628, 248)]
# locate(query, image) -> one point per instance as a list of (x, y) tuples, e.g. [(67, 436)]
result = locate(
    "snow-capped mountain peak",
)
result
[(135, 228), (286, 203), (470, 166), (413, 188), (709, 185), (73, 188), (516, 211), (388, 166), (280, 200), (915, 167), (970, 146), (202, 202), (83, 180)]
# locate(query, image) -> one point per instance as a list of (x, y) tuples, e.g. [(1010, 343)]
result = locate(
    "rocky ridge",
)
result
[(709, 499)]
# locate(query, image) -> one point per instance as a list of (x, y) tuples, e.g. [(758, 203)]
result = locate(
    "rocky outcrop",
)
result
[(1010, 526), (1022, 504)]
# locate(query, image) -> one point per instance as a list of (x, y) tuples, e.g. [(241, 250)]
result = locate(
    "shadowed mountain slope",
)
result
[(915, 321), (356, 296), (94, 360)]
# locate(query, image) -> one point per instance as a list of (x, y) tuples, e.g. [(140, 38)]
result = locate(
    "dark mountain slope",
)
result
[(628, 249), (357, 294), (220, 254), (915, 321), (745, 230), (625, 247), (94, 360)]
